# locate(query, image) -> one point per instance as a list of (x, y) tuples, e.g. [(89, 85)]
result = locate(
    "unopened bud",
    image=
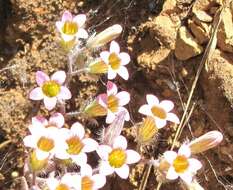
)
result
[(147, 131), (205, 142), (98, 67), (36, 164), (114, 130), (105, 36), (95, 110)]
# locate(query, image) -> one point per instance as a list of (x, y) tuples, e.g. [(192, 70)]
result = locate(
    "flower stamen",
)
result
[(180, 164), (159, 112), (114, 61), (45, 144), (112, 103), (87, 183), (117, 158), (74, 145), (70, 28), (51, 88)]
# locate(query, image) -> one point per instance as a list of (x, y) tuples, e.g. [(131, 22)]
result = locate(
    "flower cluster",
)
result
[(53, 141)]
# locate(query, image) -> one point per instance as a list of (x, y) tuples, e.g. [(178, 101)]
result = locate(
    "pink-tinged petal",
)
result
[(123, 97), (104, 56), (39, 121), (50, 103), (127, 117), (68, 179), (67, 38), (103, 151), (41, 155), (186, 177), (194, 165), (57, 119), (61, 154), (41, 78), (160, 123), (123, 171), (125, 58), (123, 72), (152, 100), (64, 93), (105, 168), (102, 100), (78, 129), (89, 145), (82, 33), (145, 110), (59, 77), (67, 16), (86, 170), (132, 157), (173, 118), (171, 174), (59, 26), (114, 47), (110, 117), (111, 88), (30, 141), (111, 74), (99, 181), (52, 183), (120, 142), (80, 20), (36, 94), (80, 159), (167, 105), (170, 156), (184, 150)]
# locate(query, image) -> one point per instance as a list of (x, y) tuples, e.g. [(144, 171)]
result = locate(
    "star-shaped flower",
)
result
[(116, 61), (160, 111), (50, 89)]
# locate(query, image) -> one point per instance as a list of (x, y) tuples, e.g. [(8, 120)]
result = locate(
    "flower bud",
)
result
[(114, 130), (36, 164), (105, 36), (95, 109), (98, 67), (147, 131), (205, 142)]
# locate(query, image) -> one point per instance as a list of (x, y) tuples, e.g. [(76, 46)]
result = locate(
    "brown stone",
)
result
[(186, 45), (225, 32), (201, 35)]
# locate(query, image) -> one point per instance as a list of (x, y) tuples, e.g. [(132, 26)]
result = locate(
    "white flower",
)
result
[(77, 144), (45, 141), (117, 158), (67, 182), (160, 111), (116, 61), (90, 181), (72, 27), (56, 120), (114, 101), (181, 165), (50, 89)]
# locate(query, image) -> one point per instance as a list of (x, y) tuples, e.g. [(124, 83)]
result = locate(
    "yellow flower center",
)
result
[(114, 61), (180, 164), (75, 145), (117, 158), (62, 187), (87, 183), (70, 28), (159, 112), (45, 144), (112, 103), (51, 88)]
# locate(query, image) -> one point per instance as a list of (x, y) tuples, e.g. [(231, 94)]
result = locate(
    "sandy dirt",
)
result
[(153, 38)]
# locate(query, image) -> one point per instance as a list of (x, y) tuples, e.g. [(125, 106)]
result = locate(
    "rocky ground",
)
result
[(166, 41)]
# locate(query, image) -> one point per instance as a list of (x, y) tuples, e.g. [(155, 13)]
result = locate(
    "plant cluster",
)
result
[(62, 151)]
